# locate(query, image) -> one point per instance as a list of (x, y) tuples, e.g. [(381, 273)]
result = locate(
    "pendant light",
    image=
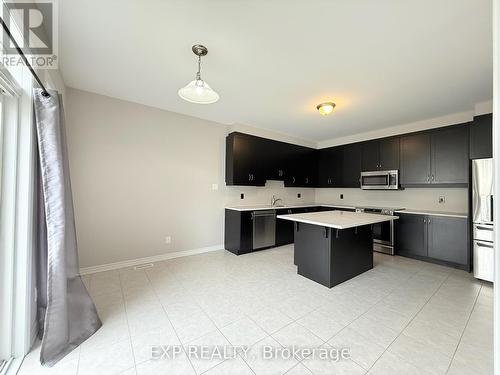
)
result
[(198, 91)]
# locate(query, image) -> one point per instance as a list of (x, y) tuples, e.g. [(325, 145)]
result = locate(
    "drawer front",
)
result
[(483, 260), (483, 232)]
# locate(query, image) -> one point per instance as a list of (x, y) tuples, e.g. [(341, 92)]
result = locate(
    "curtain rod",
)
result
[(20, 52)]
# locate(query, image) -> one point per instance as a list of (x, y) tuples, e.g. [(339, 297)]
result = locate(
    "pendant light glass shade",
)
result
[(199, 92)]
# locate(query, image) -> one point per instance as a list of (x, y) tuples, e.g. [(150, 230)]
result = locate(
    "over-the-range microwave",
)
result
[(380, 180)]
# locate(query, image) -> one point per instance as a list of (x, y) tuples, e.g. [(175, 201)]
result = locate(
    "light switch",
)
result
[(215, 187)]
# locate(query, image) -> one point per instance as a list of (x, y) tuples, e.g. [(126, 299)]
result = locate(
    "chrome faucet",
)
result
[(275, 200)]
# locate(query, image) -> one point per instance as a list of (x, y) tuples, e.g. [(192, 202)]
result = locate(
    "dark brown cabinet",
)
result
[(238, 231), (411, 235), (389, 153), (380, 154), (439, 239), (448, 239), (438, 157), (450, 156), (245, 160), (416, 159), (481, 137), (330, 167), (370, 154), (351, 165), (302, 168), (251, 161)]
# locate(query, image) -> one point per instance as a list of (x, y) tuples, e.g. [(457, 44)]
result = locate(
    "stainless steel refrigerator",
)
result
[(482, 218)]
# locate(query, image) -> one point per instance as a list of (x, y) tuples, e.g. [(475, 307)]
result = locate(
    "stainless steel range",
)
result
[(383, 233)]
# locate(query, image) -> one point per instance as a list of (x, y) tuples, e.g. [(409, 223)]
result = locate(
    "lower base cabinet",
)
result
[(238, 231), (238, 228), (438, 239)]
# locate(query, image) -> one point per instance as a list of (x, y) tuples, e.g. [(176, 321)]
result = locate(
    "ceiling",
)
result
[(384, 63)]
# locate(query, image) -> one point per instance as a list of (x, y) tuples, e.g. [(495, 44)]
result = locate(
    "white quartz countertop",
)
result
[(338, 219), (432, 213), (269, 207)]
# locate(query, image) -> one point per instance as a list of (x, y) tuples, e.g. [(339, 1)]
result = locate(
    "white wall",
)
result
[(456, 199), (140, 174)]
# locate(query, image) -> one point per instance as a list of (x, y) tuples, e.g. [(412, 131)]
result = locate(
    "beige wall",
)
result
[(140, 174)]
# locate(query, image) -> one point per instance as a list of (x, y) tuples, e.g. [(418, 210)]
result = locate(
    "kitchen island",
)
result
[(334, 246)]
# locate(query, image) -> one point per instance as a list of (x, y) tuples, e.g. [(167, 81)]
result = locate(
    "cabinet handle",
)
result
[(307, 180), (425, 221), (428, 179), (293, 179)]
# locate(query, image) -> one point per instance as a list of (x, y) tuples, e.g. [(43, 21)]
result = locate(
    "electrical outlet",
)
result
[(298, 195), (341, 196), (242, 196), (168, 240), (441, 199)]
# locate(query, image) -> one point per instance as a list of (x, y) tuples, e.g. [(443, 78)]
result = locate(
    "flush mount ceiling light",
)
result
[(325, 108), (198, 91)]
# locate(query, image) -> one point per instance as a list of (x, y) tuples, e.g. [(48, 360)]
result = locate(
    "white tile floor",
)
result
[(402, 317)]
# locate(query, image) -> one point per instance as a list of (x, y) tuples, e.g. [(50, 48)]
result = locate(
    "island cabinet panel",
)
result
[(448, 239), (238, 231), (411, 235), (313, 252), (450, 155), (330, 256), (416, 159), (481, 137), (433, 238)]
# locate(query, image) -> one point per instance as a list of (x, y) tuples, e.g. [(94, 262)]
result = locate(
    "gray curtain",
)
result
[(66, 314)]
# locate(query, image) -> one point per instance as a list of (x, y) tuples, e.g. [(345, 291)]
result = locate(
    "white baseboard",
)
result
[(152, 259)]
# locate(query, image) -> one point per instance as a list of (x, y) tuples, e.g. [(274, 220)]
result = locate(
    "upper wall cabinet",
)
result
[(380, 154), (302, 170), (251, 160), (351, 165), (339, 166), (450, 155), (245, 164), (481, 137), (416, 159), (437, 157), (330, 167)]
